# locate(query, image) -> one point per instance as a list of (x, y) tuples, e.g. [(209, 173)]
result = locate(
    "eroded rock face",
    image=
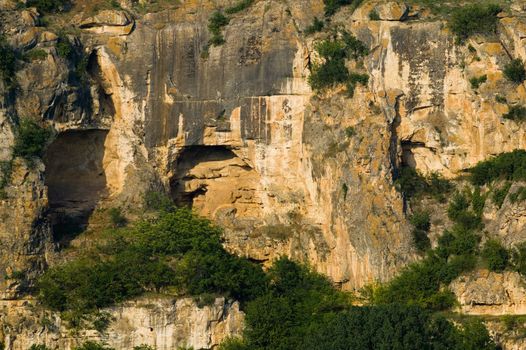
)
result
[(163, 323), (490, 293), (235, 131)]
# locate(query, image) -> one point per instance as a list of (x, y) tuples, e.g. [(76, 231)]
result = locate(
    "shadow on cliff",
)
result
[(76, 181)]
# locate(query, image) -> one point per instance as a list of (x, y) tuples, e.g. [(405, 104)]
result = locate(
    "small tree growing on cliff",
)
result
[(31, 140)]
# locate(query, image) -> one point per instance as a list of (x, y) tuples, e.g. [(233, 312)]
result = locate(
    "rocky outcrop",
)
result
[(490, 293), (161, 322)]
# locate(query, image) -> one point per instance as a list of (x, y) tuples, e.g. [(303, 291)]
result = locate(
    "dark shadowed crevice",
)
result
[(75, 179), (190, 157)]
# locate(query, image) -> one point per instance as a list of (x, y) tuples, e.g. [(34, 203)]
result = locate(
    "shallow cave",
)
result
[(209, 178), (189, 159), (75, 179)]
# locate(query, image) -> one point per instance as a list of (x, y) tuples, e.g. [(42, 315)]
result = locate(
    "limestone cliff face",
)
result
[(160, 322), (235, 132)]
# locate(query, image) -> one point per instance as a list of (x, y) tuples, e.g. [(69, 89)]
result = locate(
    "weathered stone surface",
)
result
[(164, 323), (490, 293), (111, 22), (392, 11)]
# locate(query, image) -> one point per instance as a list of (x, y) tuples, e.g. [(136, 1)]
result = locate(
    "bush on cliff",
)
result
[(509, 166), (474, 19), (515, 71), (176, 249), (8, 59), (49, 6), (31, 139)]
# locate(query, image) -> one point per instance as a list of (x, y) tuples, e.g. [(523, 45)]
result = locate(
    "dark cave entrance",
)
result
[(75, 179), (182, 191)]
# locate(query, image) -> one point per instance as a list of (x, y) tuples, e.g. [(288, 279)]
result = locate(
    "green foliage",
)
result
[(500, 99), (36, 55), (374, 16), (354, 79), (514, 71), (391, 327), (31, 139), (64, 47), (158, 201), (280, 318), (475, 336), (509, 166), (421, 222), (332, 6), (49, 6), (215, 24), (350, 131), (316, 26), (141, 258), (233, 344), (519, 195), (101, 321), (495, 255), (91, 345), (516, 113), (8, 58), (6, 168), (240, 6), (477, 81), (117, 218), (518, 258), (38, 347), (333, 71), (474, 19), (218, 20), (500, 194), (414, 185), (143, 347)]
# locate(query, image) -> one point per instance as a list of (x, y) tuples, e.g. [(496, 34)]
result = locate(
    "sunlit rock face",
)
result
[(235, 132)]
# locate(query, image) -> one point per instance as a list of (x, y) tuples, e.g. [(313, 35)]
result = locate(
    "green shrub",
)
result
[(374, 16), (515, 71), (233, 344), (316, 26), (413, 185), (519, 195), (350, 131), (38, 347), (117, 218), (158, 201), (143, 347), (354, 79), (49, 6), (422, 223), (500, 194), (36, 55), (389, 327), (332, 6), (474, 19), (501, 99), (495, 255), (8, 58), (215, 24), (518, 258), (141, 258), (240, 6), (516, 113), (31, 139), (333, 71), (509, 166), (90, 345), (477, 81)]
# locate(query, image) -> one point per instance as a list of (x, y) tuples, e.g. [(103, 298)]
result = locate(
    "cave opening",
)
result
[(209, 178), (75, 179)]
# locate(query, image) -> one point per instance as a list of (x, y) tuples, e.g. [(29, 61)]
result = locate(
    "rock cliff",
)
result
[(236, 132)]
